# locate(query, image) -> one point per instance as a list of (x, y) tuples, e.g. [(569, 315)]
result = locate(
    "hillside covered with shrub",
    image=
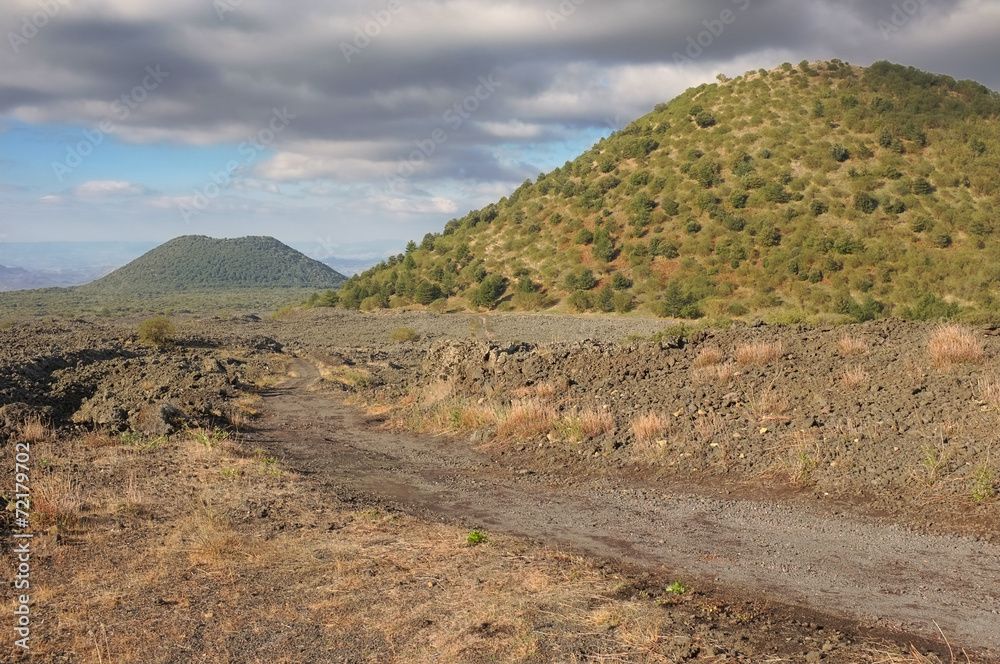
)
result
[(816, 189), (197, 262)]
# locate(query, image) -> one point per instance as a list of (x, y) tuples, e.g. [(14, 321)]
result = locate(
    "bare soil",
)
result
[(833, 520)]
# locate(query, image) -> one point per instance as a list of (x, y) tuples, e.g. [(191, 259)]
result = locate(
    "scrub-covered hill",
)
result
[(821, 188)]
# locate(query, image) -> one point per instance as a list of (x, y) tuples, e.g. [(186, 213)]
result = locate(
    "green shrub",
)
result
[(157, 332), (404, 335), (865, 202)]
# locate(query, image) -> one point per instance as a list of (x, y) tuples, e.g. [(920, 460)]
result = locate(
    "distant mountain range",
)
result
[(18, 278)]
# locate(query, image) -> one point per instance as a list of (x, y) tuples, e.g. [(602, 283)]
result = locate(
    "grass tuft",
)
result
[(759, 353), (708, 357), (525, 418), (850, 345), (954, 344), (854, 378)]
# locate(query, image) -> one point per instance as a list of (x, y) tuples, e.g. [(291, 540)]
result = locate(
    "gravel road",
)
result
[(861, 570)]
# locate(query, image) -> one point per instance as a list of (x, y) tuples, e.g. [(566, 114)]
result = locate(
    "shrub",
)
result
[(865, 202), (158, 332), (580, 301), (404, 334), (283, 312), (953, 344), (704, 119), (840, 153), (476, 537)]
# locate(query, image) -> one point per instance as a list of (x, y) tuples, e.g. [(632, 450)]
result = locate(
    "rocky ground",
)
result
[(864, 421)]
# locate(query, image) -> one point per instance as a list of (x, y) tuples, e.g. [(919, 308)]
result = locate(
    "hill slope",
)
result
[(197, 262), (818, 189)]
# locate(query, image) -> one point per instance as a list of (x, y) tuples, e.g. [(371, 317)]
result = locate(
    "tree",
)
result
[(489, 292), (426, 292), (840, 153), (604, 246)]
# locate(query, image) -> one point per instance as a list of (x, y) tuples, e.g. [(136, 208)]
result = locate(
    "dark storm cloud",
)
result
[(362, 102)]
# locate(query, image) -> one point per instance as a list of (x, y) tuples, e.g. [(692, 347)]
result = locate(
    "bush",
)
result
[(865, 202), (157, 332), (840, 153), (704, 120), (580, 301), (404, 334)]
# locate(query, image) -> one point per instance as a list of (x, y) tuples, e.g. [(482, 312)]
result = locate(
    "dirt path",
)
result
[(881, 575)]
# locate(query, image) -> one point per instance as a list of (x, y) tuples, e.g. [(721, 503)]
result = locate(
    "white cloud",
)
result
[(97, 188)]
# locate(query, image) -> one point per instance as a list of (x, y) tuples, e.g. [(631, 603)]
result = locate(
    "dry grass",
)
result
[(989, 391), (525, 418), (769, 405), (580, 425), (718, 373), (851, 345), (100, 437), (649, 427), (799, 454), (953, 344), (55, 500), (34, 430), (652, 432), (759, 353), (854, 378), (708, 356), (594, 422)]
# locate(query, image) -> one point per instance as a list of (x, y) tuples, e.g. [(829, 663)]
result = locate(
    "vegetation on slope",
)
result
[(818, 189), (192, 273), (197, 262)]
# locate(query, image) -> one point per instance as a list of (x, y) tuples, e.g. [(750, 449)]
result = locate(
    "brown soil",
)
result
[(867, 548)]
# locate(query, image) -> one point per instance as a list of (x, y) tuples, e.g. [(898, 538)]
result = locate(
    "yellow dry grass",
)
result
[(953, 344), (759, 353), (708, 357), (525, 418), (851, 345), (854, 378)]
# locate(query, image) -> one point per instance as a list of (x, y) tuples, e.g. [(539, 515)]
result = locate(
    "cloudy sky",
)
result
[(348, 123)]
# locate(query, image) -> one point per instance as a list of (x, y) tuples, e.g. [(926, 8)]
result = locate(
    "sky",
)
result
[(348, 126)]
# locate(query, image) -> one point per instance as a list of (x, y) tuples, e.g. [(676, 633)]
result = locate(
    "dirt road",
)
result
[(817, 558)]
